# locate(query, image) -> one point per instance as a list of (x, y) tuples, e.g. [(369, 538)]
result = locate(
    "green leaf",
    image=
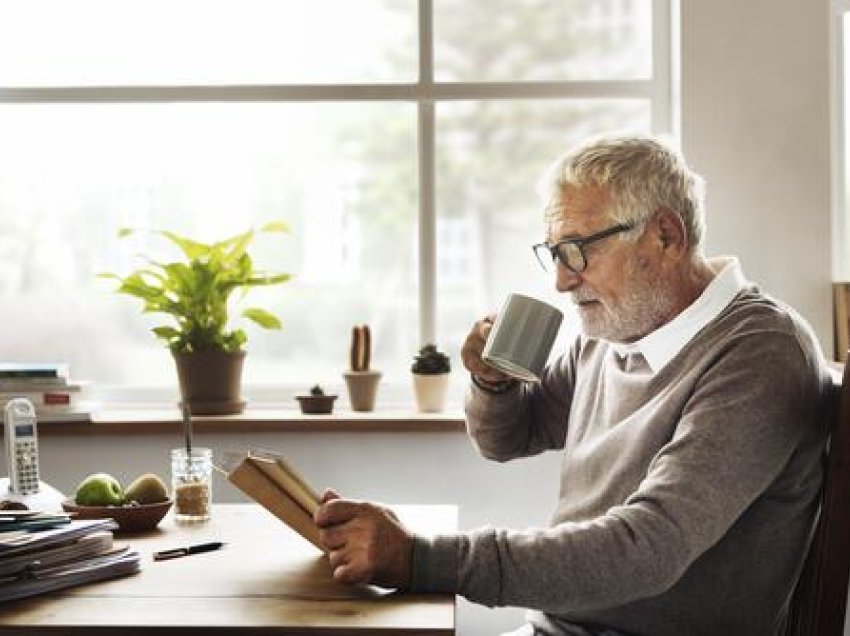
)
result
[(192, 249), (168, 333), (267, 279), (276, 226), (233, 249), (263, 318)]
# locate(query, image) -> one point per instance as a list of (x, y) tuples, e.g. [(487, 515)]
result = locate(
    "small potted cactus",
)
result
[(361, 380), (431, 368), (317, 402)]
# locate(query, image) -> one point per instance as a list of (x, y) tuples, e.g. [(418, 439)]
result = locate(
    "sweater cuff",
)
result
[(494, 388), (434, 567)]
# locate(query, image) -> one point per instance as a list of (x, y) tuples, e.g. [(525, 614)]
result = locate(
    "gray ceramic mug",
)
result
[(522, 337)]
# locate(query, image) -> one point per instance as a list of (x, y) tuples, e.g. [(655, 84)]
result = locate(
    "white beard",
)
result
[(643, 307)]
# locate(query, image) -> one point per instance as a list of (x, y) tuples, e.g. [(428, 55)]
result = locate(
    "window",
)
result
[(401, 140)]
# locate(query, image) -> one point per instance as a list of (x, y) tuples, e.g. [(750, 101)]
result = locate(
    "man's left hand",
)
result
[(366, 543)]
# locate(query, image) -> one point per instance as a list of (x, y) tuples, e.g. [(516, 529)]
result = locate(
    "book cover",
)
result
[(270, 481), (40, 384), (45, 396), (57, 415), (33, 370), (37, 385), (15, 543)]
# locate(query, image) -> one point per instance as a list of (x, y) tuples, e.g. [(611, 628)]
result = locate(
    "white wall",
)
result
[(755, 123)]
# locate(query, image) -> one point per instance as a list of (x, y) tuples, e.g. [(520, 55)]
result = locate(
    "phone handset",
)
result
[(21, 446)]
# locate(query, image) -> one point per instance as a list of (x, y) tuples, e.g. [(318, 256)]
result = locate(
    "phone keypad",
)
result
[(26, 456)]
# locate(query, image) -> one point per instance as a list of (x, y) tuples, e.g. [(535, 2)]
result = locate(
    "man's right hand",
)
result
[(473, 348)]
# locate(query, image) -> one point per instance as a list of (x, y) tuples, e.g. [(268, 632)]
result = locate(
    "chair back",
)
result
[(820, 597)]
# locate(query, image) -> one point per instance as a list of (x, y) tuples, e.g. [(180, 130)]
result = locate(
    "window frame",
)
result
[(839, 149), (661, 90)]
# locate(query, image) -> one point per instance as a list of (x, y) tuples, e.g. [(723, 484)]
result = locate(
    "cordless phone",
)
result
[(21, 446)]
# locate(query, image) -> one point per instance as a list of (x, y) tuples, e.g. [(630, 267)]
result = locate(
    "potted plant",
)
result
[(194, 292), (317, 402), (431, 368), (362, 382)]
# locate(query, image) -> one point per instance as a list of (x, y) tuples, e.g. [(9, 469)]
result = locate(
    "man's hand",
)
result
[(366, 543), (472, 349)]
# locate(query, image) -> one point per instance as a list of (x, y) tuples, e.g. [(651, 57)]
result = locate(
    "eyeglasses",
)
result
[(571, 251)]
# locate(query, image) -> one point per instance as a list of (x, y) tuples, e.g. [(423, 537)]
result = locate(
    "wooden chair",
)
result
[(820, 597)]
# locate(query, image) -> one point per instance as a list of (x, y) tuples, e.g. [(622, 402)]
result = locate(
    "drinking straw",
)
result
[(187, 429)]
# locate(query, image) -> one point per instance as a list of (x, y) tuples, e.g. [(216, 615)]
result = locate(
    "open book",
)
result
[(269, 480)]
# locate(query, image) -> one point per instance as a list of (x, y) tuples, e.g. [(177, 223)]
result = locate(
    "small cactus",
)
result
[(361, 348), (317, 390)]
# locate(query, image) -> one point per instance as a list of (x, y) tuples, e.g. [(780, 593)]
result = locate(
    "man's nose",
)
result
[(566, 279)]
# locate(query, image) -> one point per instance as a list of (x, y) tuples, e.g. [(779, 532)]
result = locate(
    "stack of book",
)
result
[(41, 552), (55, 396)]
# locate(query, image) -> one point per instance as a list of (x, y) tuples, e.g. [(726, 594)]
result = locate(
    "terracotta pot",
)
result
[(362, 389), (316, 404), (430, 391), (211, 381)]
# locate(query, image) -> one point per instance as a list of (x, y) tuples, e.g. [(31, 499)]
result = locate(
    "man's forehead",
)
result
[(575, 207), (579, 197)]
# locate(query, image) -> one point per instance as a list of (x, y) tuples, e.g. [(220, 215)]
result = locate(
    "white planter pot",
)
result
[(430, 391)]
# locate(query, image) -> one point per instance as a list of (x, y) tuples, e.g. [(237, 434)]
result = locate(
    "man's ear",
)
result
[(670, 231)]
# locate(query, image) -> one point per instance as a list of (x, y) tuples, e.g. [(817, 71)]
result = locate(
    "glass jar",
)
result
[(191, 483)]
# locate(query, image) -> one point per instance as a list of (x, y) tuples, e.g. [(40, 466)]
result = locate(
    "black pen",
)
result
[(192, 549)]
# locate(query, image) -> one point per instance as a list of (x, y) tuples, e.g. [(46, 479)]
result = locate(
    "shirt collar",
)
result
[(662, 345)]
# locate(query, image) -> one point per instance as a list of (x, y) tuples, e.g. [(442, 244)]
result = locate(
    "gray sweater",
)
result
[(687, 496)]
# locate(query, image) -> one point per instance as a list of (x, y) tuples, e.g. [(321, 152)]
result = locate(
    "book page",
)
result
[(277, 469)]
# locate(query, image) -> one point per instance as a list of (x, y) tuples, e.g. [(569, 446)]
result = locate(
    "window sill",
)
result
[(150, 421)]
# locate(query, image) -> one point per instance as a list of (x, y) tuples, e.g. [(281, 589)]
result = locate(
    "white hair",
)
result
[(642, 174)]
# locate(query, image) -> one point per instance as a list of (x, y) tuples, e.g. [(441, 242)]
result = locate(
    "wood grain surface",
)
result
[(266, 580)]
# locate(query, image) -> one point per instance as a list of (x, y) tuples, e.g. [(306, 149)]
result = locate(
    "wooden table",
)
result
[(266, 580)]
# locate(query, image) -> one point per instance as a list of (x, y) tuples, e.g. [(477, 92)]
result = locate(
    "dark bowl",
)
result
[(316, 404), (131, 518)]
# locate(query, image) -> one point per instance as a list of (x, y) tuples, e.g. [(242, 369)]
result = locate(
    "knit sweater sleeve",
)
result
[(747, 414), (528, 418)]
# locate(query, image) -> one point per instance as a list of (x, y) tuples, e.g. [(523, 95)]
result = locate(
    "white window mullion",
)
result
[(665, 70), (427, 198), (422, 91)]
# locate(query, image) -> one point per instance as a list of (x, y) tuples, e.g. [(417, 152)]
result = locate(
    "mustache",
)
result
[(578, 297)]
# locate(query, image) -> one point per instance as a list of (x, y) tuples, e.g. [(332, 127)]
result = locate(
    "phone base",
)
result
[(47, 499)]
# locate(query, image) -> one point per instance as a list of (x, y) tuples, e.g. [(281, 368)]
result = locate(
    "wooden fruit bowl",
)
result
[(130, 518)]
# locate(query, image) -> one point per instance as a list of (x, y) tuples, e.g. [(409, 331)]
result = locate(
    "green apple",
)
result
[(146, 489), (99, 489)]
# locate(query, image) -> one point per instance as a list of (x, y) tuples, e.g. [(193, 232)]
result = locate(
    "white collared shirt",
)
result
[(662, 345)]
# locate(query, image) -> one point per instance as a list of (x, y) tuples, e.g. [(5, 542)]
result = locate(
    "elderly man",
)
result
[(689, 413)]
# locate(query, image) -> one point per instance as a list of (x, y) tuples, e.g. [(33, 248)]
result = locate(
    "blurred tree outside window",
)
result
[(208, 118)]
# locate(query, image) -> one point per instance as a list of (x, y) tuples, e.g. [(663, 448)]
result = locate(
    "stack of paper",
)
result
[(41, 552), (268, 479)]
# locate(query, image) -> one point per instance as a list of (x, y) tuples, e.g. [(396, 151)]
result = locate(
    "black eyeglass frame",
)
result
[(555, 251)]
